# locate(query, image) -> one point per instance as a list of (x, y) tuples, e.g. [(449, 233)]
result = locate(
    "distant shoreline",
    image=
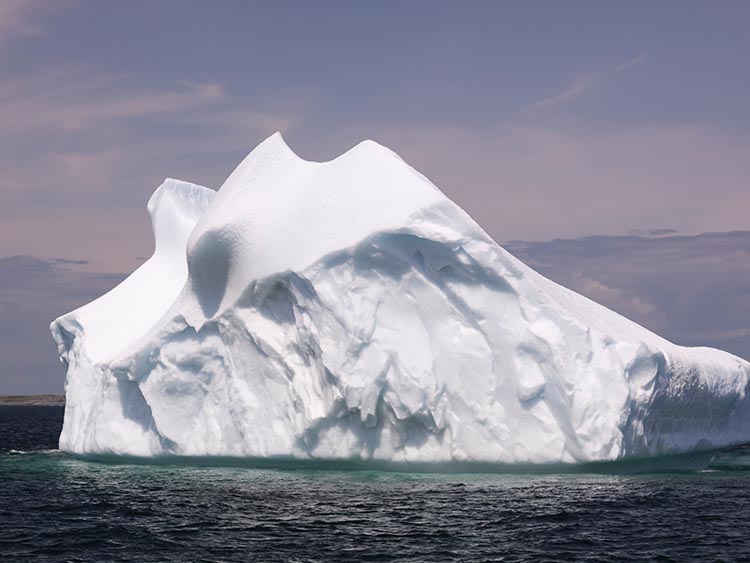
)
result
[(32, 400)]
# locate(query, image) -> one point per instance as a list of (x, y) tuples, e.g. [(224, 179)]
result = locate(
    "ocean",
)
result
[(55, 507)]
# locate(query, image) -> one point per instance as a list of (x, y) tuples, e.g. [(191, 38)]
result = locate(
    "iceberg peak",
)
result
[(324, 207)]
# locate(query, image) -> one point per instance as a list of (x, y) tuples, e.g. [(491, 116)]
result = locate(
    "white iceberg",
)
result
[(349, 310)]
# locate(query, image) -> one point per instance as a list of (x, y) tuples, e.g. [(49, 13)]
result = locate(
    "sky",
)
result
[(574, 126)]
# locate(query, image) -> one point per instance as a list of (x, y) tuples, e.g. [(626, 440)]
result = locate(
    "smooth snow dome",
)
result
[(349, 310)]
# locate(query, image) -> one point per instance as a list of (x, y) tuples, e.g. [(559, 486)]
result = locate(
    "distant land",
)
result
[(33, 400)]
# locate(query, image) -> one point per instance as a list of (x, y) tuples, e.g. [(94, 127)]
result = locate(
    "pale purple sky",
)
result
[(541, 119)]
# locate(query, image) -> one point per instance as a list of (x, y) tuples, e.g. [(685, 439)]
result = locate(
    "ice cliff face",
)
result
[(348, 309)]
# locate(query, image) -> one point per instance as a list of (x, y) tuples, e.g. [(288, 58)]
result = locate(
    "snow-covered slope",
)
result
[(348, 309)]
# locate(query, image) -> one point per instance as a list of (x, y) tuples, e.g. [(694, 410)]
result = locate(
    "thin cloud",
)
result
[(653, 232), (635, 61), (580, 87), (74, 100)]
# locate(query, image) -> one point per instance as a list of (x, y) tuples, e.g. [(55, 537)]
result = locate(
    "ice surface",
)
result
[(348, 309)]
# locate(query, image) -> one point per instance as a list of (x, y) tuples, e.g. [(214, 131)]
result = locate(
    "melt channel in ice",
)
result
[(349, 310)]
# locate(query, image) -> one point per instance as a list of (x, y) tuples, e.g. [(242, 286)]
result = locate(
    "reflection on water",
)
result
[(56, 507)]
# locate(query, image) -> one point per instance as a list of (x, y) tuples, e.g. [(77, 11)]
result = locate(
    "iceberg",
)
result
[(348, 310)]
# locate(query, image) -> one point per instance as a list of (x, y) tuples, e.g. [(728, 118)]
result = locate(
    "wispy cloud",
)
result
[(630, 63), (580, 86), (73, 100), (78, 100)]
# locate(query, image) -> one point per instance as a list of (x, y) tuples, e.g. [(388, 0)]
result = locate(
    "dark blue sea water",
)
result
[(54, 507)]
